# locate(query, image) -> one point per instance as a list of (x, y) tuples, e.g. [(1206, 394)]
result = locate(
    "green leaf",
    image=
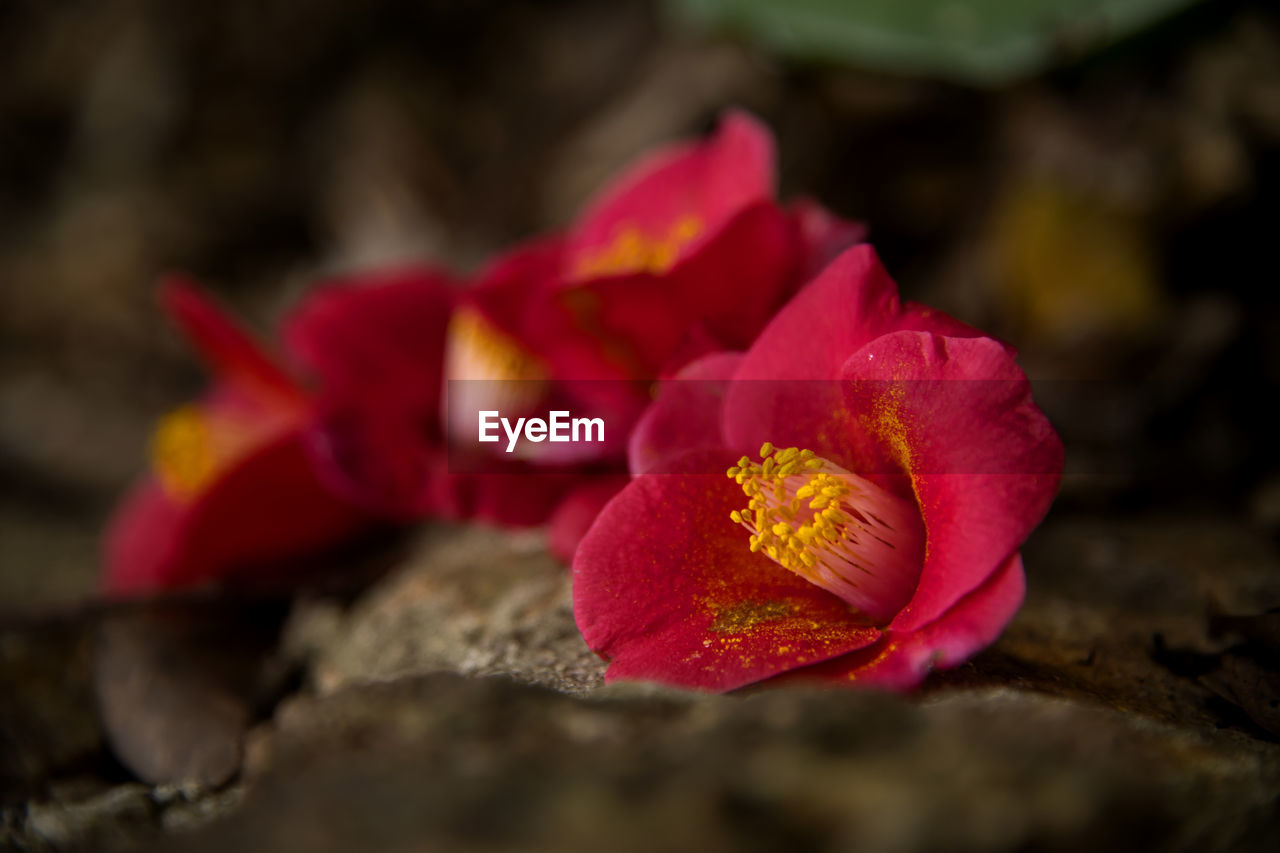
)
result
[(978, 41)]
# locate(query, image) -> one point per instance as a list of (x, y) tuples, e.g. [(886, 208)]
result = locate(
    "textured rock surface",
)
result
[(475, 601), (486, 764), (1111, 604)]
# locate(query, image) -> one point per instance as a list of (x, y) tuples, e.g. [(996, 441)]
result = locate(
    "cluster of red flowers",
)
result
[(706, 324)]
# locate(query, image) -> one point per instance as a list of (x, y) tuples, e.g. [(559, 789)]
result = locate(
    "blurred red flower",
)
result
[(903, 464), (232, 491), (689, 252), (382, 348), (686, 253)]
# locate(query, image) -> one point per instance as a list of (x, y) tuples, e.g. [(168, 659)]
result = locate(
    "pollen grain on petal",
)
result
[(747, 615), (887, 421)]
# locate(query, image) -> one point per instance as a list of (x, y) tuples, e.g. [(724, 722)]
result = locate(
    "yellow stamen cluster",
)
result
[(794, 506), (633, 251), (837, 530)]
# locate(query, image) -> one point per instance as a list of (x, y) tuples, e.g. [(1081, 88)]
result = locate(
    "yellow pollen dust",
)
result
[(792, 527), (479, 350), (182, 451), (633, 251)]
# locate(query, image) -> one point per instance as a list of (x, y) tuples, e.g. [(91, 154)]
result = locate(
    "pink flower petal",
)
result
[(695, 343), (666, 589), (823, 235), (852, 302), (141, 540), (515, 281), (257, 518), (576, 513), (729, 289), (709, 181), (378, 459), (685, 416), (514, 494), (738, 281), (900, 661), (230, 353), (377, 337), (955, 414), (784, 390), (376, 342), (263, 514), (519, 294)]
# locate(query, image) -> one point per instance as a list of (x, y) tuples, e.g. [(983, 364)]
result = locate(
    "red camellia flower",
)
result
[(885, 464), (373, 344), (382, 348), (232, 490), (688, 252)]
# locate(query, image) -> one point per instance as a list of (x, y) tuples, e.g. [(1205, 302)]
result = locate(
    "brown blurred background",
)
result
[(1115, 216)]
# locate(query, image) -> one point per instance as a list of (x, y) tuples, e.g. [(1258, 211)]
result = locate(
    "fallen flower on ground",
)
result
[(884, 464), (686, 253), (232, 491), (392, 355)]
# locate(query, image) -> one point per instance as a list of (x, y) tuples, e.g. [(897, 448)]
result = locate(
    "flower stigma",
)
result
[(831, 527)]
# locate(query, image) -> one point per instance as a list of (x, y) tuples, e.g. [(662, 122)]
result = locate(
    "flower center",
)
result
[(477, 349), (182, 452), (194, 444), (503, 376), (634, 251), (833, 528)]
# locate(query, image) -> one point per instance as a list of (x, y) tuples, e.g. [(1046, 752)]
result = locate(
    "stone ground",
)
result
[(452, 705)]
